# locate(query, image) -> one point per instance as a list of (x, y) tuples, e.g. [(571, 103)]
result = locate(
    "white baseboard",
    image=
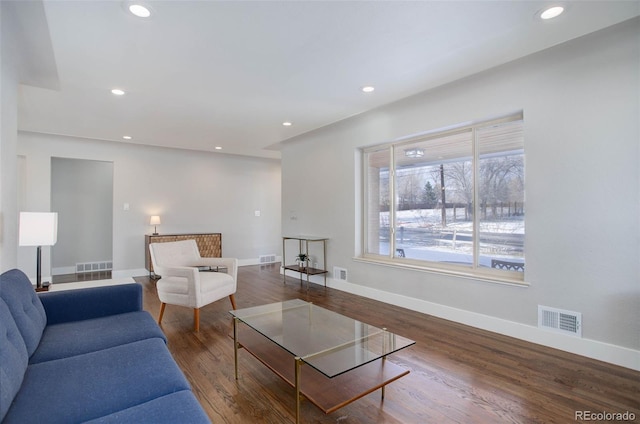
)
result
[(63, 270), (142, 272), (613, 354), (256, 261)]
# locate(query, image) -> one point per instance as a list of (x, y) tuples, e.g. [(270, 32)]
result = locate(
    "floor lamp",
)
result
[(38, 229)]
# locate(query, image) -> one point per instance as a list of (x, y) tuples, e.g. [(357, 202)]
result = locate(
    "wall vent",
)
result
[(559, 320), (267, 259), (94, 266), (340, 273)]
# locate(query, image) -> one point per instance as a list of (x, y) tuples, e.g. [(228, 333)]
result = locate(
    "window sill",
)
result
[(470, 274)]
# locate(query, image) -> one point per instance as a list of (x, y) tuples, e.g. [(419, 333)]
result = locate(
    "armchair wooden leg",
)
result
[(196, 319), (233, 301), (161, 313)]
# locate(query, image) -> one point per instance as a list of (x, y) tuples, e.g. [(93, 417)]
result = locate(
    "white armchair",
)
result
[(182, 283)]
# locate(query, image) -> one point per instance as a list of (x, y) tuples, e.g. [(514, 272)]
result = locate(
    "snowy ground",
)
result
[(432, 219), (422, 236)]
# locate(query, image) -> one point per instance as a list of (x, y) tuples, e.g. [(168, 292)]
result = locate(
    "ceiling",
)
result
[(201, 74)]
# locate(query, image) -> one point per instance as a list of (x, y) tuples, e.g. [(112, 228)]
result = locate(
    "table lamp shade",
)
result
[(155, 220), (38, 229)]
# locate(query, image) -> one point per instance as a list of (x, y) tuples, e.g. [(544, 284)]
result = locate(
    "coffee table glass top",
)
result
[(329, 342)]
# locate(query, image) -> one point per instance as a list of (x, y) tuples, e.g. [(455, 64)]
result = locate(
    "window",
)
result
[(450, 200)]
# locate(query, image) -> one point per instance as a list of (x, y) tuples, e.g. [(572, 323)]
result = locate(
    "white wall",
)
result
[(82, 194), (191, 191), (8, 137), (580, 103)]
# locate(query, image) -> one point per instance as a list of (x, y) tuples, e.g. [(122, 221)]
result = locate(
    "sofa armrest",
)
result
[(95, 302)]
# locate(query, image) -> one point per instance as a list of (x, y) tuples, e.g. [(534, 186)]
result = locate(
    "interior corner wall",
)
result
[(580, 102), (8, 140), (8, 174), (193, 192)]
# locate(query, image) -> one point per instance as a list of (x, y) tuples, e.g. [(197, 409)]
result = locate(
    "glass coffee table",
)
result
[(330, 359)]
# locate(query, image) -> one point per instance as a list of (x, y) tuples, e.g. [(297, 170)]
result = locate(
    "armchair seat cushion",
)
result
[(176, 285), (210, 281), (79, 337)]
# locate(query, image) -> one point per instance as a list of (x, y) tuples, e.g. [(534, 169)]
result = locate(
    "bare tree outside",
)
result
[(436, 183)]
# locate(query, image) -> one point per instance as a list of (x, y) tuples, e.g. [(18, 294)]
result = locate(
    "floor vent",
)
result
[(94, 266), (267, 259), (561, 321), (339, 273)]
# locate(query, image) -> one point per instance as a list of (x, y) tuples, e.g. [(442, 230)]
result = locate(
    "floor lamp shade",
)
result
[(38, 229)]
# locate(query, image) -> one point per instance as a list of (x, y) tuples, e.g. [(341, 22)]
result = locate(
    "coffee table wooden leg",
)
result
[(384, 358), (235, 345), (297, 377)]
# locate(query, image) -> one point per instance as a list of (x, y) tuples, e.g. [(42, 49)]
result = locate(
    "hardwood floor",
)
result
[(458, 374)]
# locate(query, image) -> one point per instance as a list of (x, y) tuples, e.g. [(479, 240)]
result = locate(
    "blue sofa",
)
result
[(89, 355)]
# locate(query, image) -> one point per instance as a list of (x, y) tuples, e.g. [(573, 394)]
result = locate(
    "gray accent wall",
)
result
[(580, 102)]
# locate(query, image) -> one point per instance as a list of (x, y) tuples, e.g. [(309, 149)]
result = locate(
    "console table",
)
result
[(303, 247), (209, 244)]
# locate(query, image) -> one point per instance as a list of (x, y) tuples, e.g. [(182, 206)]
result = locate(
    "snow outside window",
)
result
[(451, 200)]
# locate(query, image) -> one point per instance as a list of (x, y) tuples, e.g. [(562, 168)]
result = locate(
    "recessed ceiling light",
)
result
[(127, 137), (551, 12), (368, 88), (117, 92), (218, 148), (287, 124), (139, 10)]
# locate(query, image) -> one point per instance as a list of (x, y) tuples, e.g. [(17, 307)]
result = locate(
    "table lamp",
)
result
[(155, 221), (38, 229)]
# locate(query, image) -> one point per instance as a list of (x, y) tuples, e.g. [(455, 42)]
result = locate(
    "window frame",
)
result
[(473, 271)]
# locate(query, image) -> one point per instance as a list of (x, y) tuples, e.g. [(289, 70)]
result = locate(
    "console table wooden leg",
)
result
[(284, 261)]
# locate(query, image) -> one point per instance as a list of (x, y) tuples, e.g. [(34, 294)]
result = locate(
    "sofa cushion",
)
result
[(79, 337), (25, 307), (179, 407), (13, 358), (92, 302), (89, 386)]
